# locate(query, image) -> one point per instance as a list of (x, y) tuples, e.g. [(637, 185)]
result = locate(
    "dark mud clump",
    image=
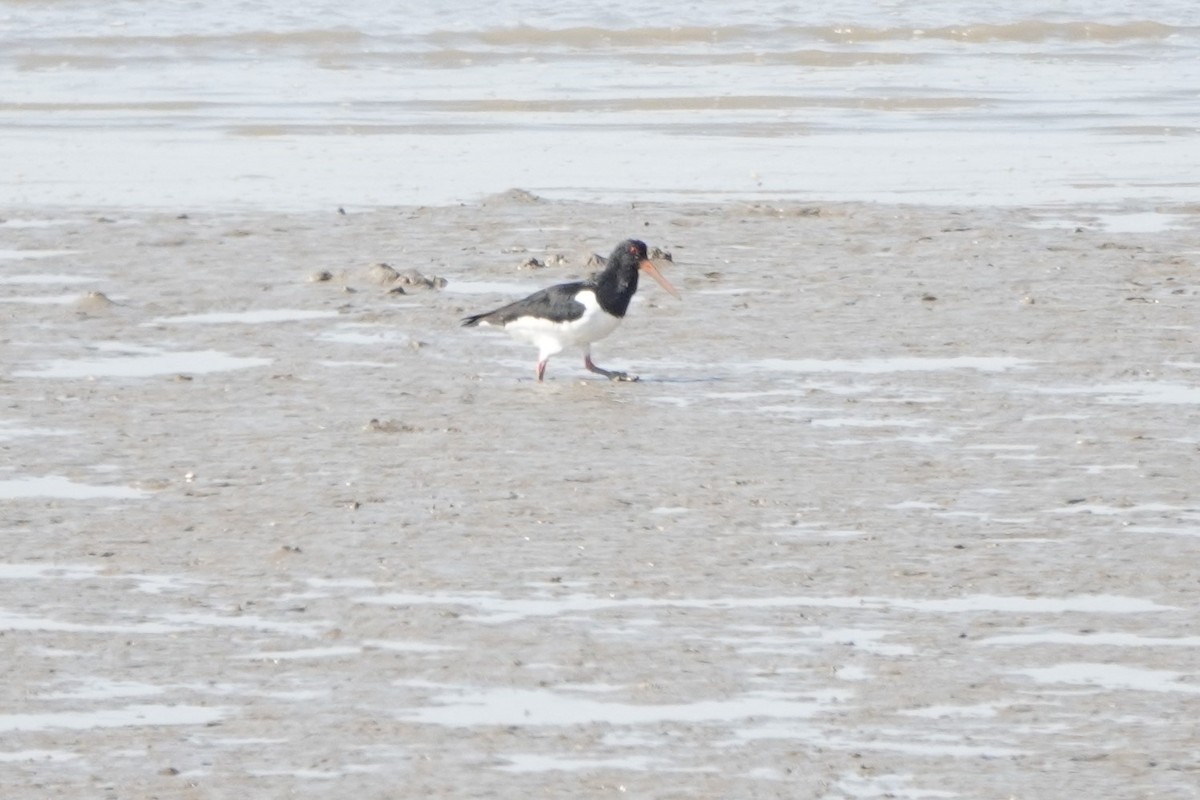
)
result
[(93, 303), (513, 197), (384, 275)]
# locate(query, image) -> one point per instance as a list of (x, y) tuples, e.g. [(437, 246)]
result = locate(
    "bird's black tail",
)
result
[(470, 322)]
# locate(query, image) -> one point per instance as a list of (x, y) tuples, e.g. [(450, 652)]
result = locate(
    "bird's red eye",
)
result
[(633, 249)]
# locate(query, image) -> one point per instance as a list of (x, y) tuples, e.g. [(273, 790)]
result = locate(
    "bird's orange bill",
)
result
[(653, 272)]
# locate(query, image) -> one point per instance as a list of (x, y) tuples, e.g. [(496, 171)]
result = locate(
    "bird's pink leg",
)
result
[(541, 369), (612, 375)]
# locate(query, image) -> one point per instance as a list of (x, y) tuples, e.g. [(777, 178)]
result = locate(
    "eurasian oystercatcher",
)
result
[(577, 314)]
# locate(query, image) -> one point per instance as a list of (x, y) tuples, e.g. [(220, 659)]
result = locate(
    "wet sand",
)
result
[(904, 505)]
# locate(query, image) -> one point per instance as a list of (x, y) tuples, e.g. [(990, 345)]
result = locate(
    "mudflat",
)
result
[(904, 504)]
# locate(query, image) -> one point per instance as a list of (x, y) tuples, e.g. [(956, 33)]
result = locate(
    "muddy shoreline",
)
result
[(903, 505)]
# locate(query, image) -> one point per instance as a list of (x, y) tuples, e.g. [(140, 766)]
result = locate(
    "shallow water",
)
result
[(17, 254), (42, 300), (60, 487), (467, 706), (256, 317), (38, 278), (319, 105), (130, 716), (501, 288), (1109, 677), (140, 365), (872, 366), (1137, 222)]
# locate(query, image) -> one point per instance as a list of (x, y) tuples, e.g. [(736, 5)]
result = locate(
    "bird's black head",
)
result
[(631, 252), (619, 280)]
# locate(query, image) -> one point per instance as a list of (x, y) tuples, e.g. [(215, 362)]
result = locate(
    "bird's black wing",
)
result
[(557, 303)]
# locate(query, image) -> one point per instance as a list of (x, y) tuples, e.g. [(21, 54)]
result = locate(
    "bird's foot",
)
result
[(611, 374)]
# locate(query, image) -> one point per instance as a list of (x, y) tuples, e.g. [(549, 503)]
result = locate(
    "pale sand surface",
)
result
[(904, 505)]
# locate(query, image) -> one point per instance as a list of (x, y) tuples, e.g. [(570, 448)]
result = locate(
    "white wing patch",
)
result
[(553, 337)]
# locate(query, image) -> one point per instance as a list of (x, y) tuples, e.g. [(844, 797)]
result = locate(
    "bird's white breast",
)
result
[(552, 337)]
